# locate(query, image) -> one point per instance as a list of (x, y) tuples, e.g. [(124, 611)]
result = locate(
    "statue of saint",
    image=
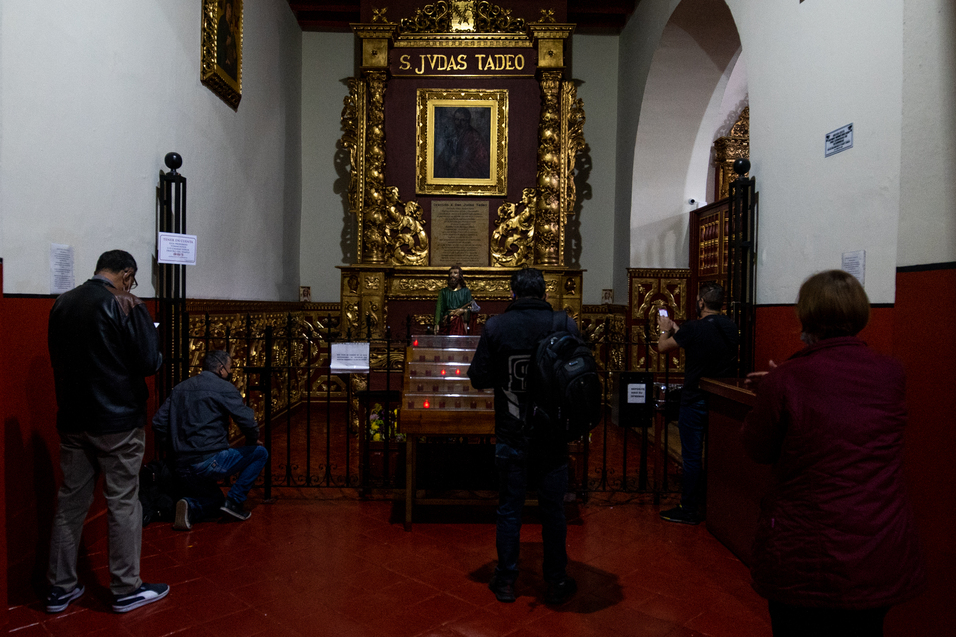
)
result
[(453, 309)]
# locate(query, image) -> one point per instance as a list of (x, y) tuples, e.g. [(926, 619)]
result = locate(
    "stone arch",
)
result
[(695, 85)]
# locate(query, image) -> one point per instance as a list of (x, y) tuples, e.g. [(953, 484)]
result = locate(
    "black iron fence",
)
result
[(335, 431)]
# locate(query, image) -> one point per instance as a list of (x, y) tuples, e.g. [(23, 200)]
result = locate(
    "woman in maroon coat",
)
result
[(836, 544)]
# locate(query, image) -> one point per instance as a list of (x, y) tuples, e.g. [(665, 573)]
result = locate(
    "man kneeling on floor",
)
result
[(193, 425)]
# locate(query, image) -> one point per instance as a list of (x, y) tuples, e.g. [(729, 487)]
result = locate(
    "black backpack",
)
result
[(156, 492), (564, 390)]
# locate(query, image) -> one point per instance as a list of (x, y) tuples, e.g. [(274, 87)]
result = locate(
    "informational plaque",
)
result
[(459, 233), (838, 140), (855, 264), (178, 249), (61, 268), (349, 358)]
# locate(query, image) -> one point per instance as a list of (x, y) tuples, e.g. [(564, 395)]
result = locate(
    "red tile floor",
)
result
[(347, 568)]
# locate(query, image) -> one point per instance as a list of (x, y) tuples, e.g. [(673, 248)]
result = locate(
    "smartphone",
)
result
[(662, 312)]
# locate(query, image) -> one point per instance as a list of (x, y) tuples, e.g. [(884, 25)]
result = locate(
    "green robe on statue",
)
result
[(448, 300)]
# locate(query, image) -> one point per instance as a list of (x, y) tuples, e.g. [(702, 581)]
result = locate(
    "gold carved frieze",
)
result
[(353, 140), (512, 239), (462, 16), (374, 231), (463, 41), (548, 227), (648, 295), (572, 138), (652, 290), (730, 148), (425, 287), (405, 230), (299, 348)]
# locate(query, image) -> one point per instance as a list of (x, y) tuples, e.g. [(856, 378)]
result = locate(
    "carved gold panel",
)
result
[(649, 291)]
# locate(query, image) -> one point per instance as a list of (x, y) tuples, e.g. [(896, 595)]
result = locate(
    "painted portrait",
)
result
[(462, 142)]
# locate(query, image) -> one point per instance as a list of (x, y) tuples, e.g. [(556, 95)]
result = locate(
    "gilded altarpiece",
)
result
[(446, 72)]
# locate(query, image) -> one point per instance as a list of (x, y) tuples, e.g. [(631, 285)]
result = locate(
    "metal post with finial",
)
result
[(741, 257), (171, 278)]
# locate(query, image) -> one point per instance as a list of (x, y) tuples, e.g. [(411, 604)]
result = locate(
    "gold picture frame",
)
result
[(222, 49), (462, 142)]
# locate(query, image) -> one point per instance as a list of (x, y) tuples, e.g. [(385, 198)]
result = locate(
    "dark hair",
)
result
[(832, 303), (712, 295), (213, 359), (461, 274), (528, 283), (462, 111), (115, 261)]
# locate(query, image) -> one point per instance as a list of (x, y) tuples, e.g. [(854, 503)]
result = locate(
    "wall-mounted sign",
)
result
[(839, 140), (454, 62), (178, 249), (637, 393), (61, 268), (855, 264)]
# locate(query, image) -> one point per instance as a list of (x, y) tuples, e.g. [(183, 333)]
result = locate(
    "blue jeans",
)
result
[(692, 422), (200, 482), (550, 473)]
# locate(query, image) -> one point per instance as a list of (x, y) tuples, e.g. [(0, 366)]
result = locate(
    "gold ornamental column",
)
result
[(551, 200), (368, 155), (363, 119)]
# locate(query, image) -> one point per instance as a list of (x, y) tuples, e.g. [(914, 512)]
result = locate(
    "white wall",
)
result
[(94, 94), (328, 230), (594, 65), (812, 68), (927, 227)]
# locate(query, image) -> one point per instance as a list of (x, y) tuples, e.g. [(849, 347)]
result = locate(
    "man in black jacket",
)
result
[(501, 361), (103, 345), (193, 424), (710, 346)]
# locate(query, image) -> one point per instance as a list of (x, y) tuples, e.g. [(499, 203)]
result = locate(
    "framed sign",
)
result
[(462, 142), (222, 49)]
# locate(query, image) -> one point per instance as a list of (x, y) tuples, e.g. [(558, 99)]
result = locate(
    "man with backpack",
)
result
[(710, 346), (502, 360)]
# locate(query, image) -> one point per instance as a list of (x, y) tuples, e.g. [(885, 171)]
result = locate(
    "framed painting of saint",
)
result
[(222, 49), (462, 142)]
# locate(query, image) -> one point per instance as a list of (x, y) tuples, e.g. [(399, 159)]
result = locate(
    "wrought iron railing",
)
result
[(336, 431)]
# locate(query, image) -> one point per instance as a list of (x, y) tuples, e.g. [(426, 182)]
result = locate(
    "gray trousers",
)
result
[(118, 457)]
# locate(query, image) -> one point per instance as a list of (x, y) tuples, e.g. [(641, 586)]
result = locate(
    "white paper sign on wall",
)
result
[(178, 249)]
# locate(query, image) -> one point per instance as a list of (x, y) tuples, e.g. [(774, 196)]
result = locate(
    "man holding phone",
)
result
[(710, 346)]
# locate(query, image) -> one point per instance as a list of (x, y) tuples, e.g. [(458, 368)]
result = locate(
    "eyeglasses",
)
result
[(135, 284)]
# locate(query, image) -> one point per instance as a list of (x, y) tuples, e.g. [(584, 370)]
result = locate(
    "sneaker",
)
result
[(680, 515), (235, 509), (145, 594), (560, 591), (181, 523), (59, 599), (504, 591)]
